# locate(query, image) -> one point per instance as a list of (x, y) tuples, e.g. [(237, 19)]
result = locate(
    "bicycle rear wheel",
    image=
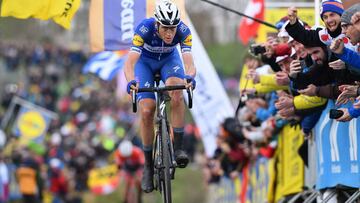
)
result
[(166, 182)]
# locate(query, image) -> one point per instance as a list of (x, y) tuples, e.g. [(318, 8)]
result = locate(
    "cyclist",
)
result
[(154, 51), (129, 159)]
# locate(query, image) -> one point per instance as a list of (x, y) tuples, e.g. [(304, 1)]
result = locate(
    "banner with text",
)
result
[(289, 165), (337, 151), (112, 22), (211, 103)]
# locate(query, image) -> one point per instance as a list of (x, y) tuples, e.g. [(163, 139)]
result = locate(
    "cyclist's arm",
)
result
[(189, 64), (118, 160), (135, 52), (185, 45), (129, 67)]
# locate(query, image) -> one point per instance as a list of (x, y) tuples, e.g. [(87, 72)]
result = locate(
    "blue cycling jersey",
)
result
[(147, 42)]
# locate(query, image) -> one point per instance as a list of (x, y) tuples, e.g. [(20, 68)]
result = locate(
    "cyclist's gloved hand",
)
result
[(133, 82), (191, 79)]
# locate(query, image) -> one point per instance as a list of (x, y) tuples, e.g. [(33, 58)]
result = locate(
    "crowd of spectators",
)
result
[(293, 79), (90, 124)]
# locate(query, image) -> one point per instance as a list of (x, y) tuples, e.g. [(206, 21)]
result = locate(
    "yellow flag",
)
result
[(61, 11), (68, 12)]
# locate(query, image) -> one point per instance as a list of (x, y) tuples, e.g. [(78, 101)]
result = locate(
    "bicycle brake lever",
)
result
[(190, 97), (133, 92), (134, 104)]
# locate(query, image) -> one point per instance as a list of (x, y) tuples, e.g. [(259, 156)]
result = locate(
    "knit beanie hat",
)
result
[(346, 16), (335, 6)]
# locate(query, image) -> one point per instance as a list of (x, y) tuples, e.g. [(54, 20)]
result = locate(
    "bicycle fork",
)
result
[(171, 152)]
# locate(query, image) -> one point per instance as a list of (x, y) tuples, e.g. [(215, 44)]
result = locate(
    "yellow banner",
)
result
[(102, 176), (289, 166), (273, 15)]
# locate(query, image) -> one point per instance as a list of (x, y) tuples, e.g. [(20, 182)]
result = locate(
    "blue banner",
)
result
[(105, 64), (120, 20), (337, 151)]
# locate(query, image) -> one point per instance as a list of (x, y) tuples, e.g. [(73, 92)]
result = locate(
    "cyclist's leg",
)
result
[(144, 76), (127, 185), (173, 74), (123, 182), (138, 184)]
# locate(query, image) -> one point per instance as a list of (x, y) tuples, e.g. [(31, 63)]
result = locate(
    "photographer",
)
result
[(233, 147), (269, 51)]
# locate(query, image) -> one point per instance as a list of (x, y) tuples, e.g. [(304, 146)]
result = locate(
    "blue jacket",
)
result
[(263, 114), (309, 122), (350, 57), (354, 113)]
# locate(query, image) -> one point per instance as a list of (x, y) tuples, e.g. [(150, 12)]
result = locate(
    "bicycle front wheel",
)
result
[(166, 182)]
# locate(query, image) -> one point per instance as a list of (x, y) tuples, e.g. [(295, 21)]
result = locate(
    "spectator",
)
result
[(4, 180), (27, 175), (58, 181)]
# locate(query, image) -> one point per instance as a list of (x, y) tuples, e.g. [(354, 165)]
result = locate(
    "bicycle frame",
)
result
[(164, 161)]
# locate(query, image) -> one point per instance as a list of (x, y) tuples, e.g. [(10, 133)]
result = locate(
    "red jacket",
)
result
[(58, 182)]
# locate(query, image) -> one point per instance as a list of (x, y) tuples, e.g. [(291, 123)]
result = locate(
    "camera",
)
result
[(257, 49)]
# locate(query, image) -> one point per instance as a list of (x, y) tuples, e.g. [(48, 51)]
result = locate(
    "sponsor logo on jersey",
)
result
[(183, 28), (188, 40), (161, 49), (176, 68), (144, 29), (138, 41)]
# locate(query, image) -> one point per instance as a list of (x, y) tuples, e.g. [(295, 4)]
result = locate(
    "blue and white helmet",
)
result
[(167, 13)]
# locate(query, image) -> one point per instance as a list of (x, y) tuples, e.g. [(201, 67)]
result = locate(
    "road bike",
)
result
[(163, 157)]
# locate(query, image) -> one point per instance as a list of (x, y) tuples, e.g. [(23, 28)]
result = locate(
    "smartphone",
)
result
[(303, 64), (335, 114)]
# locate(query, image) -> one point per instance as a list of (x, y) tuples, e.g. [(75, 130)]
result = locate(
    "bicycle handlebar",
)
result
[(162, 89)]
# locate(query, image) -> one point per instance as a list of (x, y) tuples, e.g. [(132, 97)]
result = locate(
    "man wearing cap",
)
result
[(331, 11), (355, 20), (348, 27)]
